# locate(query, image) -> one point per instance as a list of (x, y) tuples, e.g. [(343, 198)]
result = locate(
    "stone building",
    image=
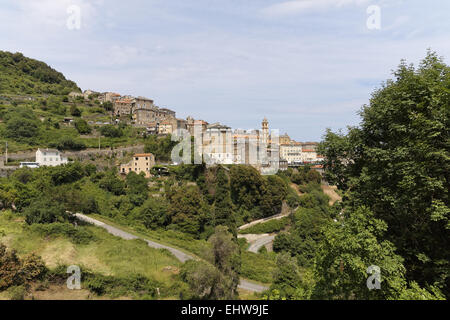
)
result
[(123, 107), (143, 103), (285, 139), (141, 162)]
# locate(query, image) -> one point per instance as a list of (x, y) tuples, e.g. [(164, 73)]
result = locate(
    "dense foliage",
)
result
[(396, 164), (19, 75)]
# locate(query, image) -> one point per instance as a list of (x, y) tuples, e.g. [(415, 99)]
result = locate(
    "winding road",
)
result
[(263, 241), (180, 255)]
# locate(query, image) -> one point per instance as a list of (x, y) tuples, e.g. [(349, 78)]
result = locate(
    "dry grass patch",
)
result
[(331, 192)]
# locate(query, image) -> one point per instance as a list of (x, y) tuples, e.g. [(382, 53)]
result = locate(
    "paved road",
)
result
[(128, 236), (244, 284), (285, 211), (255, 246)]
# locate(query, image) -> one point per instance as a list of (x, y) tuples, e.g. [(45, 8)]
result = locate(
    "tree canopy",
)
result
[(396, 163)]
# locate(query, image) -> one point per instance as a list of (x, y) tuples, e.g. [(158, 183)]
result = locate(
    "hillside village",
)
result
[(219, 144), (90, 179), (142, 112)]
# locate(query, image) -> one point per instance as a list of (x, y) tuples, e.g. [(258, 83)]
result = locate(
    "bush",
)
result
[(15, 272), (78, 235), (44, 211), (119, 286), (82, 126), (68, 143), (74, 111), (271, 226), (111, 131), (17, 292)]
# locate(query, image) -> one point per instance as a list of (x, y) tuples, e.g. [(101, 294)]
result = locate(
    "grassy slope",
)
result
[(28, 82), (108, 255), (49, 134), (257, 267), (22, 75)]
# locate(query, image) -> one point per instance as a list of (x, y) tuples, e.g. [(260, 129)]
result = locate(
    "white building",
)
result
[(50, 157), (310, 152), (292, 152)]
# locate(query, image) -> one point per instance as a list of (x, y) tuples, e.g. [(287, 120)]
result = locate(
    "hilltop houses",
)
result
[(219, 143), (298, 152)]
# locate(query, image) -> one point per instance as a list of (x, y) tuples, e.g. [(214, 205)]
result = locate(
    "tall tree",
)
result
[(350, 247), (217, 278), (397, 163), (223, 206)]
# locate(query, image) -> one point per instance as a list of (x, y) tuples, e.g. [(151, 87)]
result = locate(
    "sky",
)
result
[(306, 65)]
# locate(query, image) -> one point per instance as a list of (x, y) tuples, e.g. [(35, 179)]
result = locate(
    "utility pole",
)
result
[(6, 154), (99, 142)]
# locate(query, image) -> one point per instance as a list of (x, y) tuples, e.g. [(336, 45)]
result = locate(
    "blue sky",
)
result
[(306, 65)]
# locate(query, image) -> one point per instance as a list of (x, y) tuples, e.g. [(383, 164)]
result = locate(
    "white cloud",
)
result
[(301, 6)]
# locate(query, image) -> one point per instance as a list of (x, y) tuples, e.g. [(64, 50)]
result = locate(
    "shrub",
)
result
[(78, 235), (17, 292), (68, 143), (118, 286), (82, 126), (267, 227), (111, 131), (15, 272), (44, 211), (74, 111)]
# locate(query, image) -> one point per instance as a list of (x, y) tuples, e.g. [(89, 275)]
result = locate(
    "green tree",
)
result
[(68, 143), (137, 188), (274, 192), (223, 207), (397, 163), (288, 281), (187, 210), (44, 210), (349, 248), (160, 147), (21, 125), (225, 256), (246, 186), (153, 213), (111, 131), (217, 278), (112, 183), (74, 111), (305, 236), (82, 126)]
